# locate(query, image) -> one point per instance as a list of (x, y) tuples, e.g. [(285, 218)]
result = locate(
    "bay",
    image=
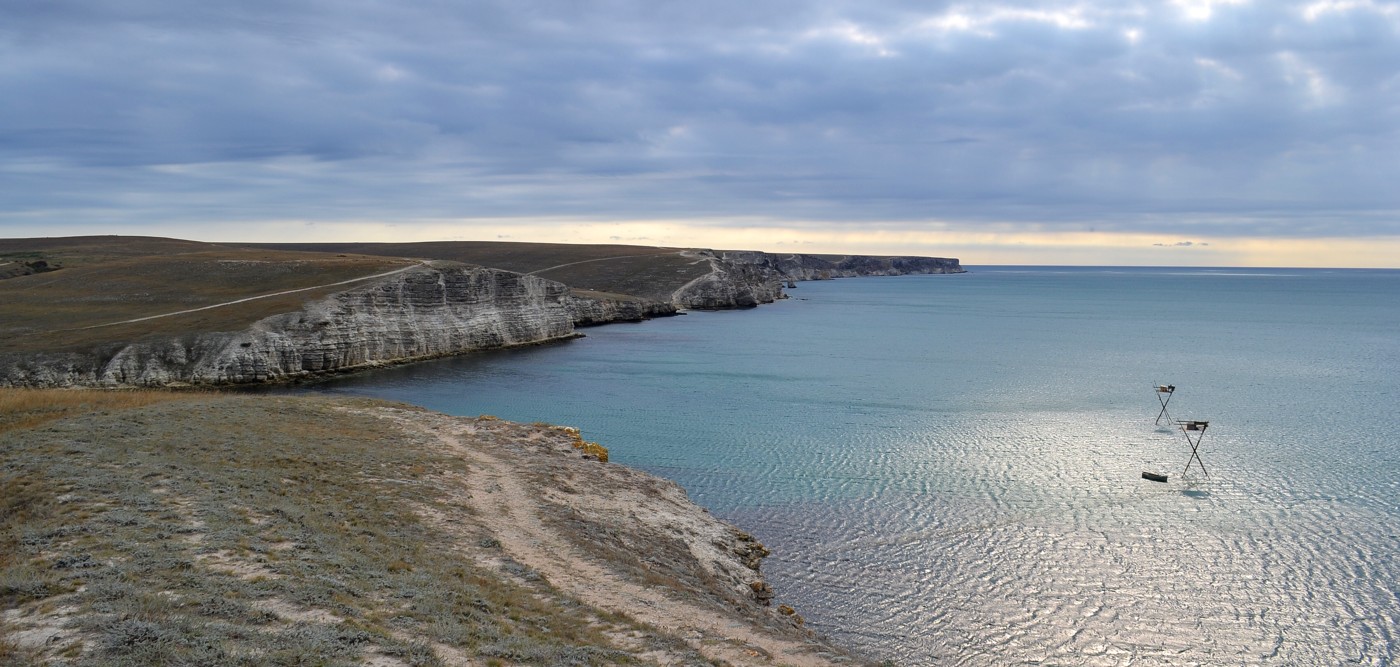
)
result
[(948, 468)]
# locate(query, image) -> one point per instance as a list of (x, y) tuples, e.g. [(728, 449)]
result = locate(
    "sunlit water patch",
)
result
[(948, 468)]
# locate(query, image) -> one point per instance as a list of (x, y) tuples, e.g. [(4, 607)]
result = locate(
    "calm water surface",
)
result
[(948, 468)]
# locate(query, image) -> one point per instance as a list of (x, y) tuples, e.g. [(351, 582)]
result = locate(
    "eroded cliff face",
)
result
[(729, 284), (747, 278), (592, 311), (798, 266), (435, 310), (426, 312)]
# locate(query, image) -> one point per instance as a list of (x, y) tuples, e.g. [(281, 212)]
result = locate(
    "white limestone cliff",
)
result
[(422, 313)]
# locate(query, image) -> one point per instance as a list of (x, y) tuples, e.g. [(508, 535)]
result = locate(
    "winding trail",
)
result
[(714, 268), (509, 507)]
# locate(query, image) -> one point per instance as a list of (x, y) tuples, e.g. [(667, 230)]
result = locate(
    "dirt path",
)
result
[(599, 259), (511, 511), (714, 268), (243, 300)]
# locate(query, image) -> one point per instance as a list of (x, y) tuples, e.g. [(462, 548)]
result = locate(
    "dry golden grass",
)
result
[(27, 408), (590, 448)]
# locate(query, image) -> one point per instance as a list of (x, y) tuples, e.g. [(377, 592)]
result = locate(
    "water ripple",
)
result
[(949, 471)]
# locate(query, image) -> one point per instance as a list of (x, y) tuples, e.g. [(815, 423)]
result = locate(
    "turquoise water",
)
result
[(948, 468)]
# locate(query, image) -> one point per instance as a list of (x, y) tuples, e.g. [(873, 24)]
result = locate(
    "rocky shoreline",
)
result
[(435, 309)]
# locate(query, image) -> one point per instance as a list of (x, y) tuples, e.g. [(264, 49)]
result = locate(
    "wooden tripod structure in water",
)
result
[(1164, 396), (1199, 427)]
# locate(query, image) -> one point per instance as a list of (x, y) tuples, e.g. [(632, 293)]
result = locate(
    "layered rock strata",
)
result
[(592, 311), (823, 267), (425, 312), (747, 278), (439, 309), (729, 284)]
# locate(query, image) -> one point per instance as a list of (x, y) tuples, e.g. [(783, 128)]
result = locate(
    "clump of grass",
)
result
[(589, 448), (10, 652), (25, 500), (28, 408)]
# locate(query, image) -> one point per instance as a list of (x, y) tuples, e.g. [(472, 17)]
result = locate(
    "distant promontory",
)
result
[(149, 312)]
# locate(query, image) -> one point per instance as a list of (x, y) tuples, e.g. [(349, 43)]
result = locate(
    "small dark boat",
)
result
[(1154, 476)]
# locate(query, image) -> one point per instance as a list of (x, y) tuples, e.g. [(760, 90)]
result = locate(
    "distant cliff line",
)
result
[(436, 309), (744, 278)]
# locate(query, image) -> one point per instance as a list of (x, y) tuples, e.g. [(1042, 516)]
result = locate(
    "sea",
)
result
[(948, 469)]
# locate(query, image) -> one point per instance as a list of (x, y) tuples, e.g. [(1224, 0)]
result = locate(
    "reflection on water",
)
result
[(948, 468)]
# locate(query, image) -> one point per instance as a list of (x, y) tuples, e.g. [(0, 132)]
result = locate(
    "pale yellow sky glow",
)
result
[(990, 245)]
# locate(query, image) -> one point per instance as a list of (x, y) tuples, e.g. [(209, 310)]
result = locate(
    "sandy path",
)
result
[(511, 511)]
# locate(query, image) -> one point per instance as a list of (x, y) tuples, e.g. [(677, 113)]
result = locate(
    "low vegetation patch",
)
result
[(146, 528), (589, 448)]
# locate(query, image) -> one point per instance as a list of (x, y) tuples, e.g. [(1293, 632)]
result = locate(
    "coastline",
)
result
[(660, 580), (97, 323), (226, 524)]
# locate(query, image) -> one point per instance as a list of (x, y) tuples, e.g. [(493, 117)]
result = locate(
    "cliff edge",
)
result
[(747, 278), (425, 311), (653, 278), (181, 528), (144, 312)]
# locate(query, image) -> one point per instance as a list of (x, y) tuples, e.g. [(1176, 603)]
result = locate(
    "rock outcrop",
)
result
[(595, 310), (797, 266), (729, 284), (425, 312), (15, 269), (747, 278)]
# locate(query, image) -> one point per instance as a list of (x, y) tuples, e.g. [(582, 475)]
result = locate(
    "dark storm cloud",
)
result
[(1254, 118)]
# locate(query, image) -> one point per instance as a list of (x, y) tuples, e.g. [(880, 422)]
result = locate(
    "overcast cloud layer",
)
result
[(1191, 118)]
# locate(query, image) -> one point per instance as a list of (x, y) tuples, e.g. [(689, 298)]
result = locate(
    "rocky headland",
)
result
[(747, 278), (431, 307), (427, 311)]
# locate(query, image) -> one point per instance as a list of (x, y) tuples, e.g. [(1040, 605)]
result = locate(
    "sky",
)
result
[(1194, 132)]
